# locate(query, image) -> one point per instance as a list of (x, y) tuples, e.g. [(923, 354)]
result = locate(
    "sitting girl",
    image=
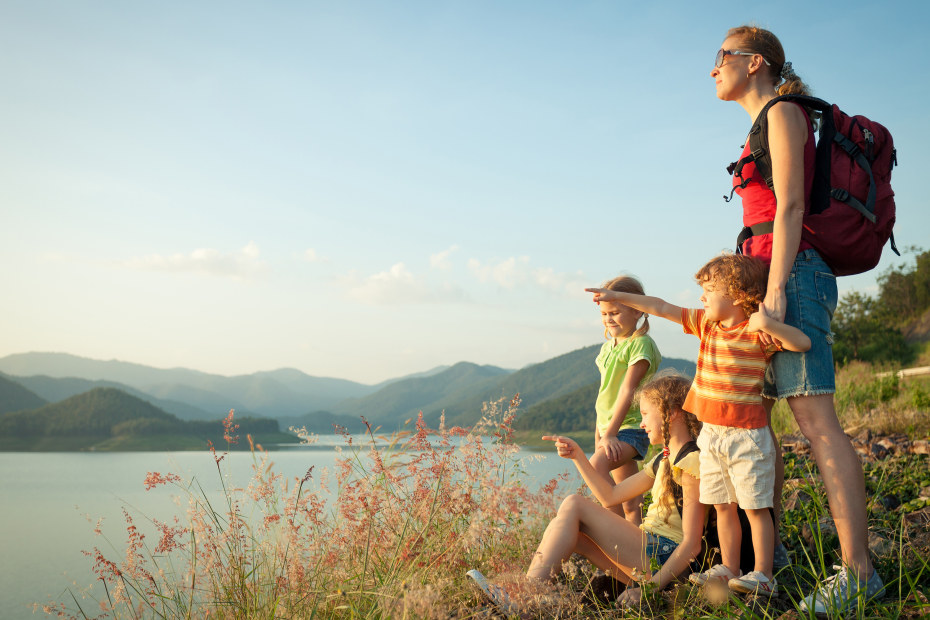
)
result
[(672, 529)]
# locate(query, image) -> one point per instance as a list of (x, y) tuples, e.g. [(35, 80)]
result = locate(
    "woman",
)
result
[(674, 523), (750, 69)]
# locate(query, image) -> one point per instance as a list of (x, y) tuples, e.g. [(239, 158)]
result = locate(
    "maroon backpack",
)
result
[(852, 209)]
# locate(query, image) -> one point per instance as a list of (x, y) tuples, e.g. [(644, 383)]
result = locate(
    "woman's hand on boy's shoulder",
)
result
[(565, 446)]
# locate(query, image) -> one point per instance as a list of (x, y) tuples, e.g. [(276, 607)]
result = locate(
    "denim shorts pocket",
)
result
[(825, 284)]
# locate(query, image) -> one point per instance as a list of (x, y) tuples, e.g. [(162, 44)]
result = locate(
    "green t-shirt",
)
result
[(612, 361)]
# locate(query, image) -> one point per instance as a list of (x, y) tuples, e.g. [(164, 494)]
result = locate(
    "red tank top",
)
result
[(759, 201)]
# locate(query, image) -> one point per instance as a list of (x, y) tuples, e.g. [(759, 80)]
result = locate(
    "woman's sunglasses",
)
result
[(721, 54)]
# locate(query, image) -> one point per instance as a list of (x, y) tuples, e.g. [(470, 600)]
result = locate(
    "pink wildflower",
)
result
[(154, 479), (229, 428)]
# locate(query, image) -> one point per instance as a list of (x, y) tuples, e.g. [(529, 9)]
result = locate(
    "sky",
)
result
[(370, 189)]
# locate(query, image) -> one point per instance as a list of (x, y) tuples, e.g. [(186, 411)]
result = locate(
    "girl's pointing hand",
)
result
[(566, 448)]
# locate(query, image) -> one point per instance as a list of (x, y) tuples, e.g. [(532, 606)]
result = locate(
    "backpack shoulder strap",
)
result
[(686, 449), (759, 133), (655, 464)]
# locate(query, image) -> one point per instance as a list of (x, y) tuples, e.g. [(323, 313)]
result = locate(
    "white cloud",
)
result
[(515, 272), (242, 264), (311, 256), (508, 273), (440, 260), (568, 283), (398, 285)]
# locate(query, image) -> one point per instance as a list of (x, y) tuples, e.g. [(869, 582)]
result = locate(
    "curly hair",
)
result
[(667, 392), (743, 278), (629, 284)]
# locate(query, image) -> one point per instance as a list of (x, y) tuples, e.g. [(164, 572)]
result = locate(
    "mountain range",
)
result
[(32, 380)]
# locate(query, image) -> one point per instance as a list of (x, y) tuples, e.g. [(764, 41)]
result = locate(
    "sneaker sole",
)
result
[(742, 589)]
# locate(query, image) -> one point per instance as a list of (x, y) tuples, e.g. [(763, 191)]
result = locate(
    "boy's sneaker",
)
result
[(496, 594), (718, 573), (840, 593), (780, 559), (754, 582)]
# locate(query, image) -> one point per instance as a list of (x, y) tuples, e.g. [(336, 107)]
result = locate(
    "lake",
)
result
[(52, 501)]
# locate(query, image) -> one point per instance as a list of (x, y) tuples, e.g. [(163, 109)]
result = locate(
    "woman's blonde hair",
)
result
[(629, 284), (667, 392), (764, 42)]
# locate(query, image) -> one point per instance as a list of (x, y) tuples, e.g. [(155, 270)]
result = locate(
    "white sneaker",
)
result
[(842, 594), (718, 573), (754, 582), (496, 594)]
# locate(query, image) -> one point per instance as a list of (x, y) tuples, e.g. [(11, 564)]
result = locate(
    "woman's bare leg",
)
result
[(842, 476)]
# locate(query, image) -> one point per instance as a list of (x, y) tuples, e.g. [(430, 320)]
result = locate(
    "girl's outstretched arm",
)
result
[(644, 303), (607, 493)]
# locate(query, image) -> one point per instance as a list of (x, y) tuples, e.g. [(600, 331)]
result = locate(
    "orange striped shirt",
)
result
[(727, 387)]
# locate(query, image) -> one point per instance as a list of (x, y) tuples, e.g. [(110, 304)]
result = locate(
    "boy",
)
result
[(737, 452)]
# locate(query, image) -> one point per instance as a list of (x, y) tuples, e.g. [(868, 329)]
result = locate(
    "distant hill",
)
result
[(107, 418), (565, 376), (575, 411), (535, 383), (402, 399), (15, 397), (461, 390), (273, 393), (53, 389), (93, 413)]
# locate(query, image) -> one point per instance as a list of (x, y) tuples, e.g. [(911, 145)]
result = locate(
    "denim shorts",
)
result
[(811, 298), (659, 547), (637, 438)]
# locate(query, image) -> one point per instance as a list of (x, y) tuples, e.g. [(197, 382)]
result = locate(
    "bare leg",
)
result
[(597, 556), (633, 509), (842, 476), (762, 537), (618, 539), (730, 534), (626, 467), (602, 466)]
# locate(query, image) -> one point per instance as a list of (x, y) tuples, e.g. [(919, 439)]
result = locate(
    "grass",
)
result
[(408, 514)]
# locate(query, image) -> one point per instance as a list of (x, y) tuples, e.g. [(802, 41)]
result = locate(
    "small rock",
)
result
[(890, 502), (795, 483), (880, 546), (826, 530), (877, 450), (888, 444), (920, 446), (921, 516), (924, 493), (796, 499), (796, 443)]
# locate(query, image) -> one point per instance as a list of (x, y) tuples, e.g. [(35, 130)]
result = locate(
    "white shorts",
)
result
[(737, 466)]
